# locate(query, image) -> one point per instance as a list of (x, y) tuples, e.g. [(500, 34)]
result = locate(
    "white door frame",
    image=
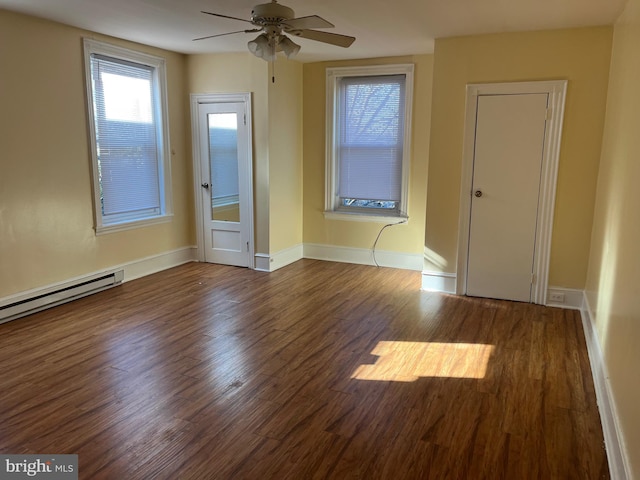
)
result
[(203, 98), (557, 90)]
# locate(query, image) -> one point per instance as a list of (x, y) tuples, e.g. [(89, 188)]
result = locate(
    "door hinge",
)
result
[(533, 279), (245, 118), (247, 246), (548, 114)]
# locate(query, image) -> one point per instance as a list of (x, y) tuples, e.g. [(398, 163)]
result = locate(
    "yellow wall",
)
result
[(613, 282), (318, 230), (580, 56), (277, 137), (46, 213), (285, 156), (235, 73)]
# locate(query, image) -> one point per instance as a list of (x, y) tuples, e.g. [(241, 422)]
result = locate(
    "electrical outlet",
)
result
[(556, 297)]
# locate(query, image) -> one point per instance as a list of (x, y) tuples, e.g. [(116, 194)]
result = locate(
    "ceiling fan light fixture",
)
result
[(277, 23), (263, 47), (289, 48)]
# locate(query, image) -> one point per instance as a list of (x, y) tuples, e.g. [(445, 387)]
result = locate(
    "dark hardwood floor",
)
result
[(318, 370)]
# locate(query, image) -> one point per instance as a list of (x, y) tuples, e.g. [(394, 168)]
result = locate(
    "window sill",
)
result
[(360, 217), (130, 225)]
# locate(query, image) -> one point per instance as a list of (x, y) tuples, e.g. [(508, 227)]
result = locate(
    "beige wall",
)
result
[(318, 230), (46, 213), (285, 156), (580, 56), (235, 73), (613, 282)]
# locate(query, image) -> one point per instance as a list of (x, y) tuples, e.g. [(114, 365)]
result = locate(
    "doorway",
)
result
[(511, 149), (222, 146)]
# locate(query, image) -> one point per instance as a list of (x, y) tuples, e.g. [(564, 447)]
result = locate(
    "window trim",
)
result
[(332, 208), (160, 103)]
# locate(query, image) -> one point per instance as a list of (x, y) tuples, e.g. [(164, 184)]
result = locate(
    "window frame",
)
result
[(160, 106), (333, 209)]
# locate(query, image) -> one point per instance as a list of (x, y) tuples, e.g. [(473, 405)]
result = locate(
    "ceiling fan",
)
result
[(274, 20)]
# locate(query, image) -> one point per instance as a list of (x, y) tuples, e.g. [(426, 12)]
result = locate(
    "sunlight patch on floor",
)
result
[(408, 361)]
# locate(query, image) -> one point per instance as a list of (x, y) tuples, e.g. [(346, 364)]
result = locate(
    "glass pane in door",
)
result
[(223, 158)]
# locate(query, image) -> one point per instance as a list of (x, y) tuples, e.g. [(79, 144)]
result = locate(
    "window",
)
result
[(130, 154), (368, 138), (223, 147)]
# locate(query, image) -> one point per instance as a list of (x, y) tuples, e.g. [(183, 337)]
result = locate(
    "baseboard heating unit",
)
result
[(36, 300)]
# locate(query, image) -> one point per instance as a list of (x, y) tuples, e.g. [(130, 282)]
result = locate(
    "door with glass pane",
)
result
[(226, 186)]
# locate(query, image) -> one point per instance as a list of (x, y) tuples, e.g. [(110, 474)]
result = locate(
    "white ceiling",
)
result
[(382, 27)]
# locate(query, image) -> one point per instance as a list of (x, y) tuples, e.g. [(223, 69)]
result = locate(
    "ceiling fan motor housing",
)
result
[(271, 14)]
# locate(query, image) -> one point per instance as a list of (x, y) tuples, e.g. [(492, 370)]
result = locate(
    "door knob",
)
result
[(205, 185), (478, 193)]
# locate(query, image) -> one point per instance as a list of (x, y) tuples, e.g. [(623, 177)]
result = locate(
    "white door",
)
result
[(509, 145), (226, 182)]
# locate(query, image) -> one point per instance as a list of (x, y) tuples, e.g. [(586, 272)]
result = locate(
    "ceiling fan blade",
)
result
[(228, 33), (227, 16), (312, 21), (326, 37)]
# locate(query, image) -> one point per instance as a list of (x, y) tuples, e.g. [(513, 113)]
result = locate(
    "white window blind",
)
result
[(127, 139), (370, 135)]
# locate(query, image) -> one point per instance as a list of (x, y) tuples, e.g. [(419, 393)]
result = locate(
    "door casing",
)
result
[(556, 89), (197, 99)]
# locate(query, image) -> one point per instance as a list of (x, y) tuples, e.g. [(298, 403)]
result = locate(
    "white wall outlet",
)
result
[(556, 297)]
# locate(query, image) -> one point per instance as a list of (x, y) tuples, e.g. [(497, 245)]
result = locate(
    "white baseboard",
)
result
[(270, 263), (617, 454), (262, 261), (363, 256), (286, 257), (439, 282), (156, 263), (446, 283), (571, 298)]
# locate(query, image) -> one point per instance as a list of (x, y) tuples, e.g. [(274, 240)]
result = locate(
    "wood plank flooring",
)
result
[(318, 370)]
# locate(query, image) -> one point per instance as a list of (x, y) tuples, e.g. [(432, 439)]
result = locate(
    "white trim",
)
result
[(332, 77), (363, 256), (271, 263), (446, 283), (617, 454), (358, 217), (122, 226), (573, 298), (286, 257), (553, 133), (203, 98), (262, 261), (161, 105), (439, 282), (132, 270), (157, 263)]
